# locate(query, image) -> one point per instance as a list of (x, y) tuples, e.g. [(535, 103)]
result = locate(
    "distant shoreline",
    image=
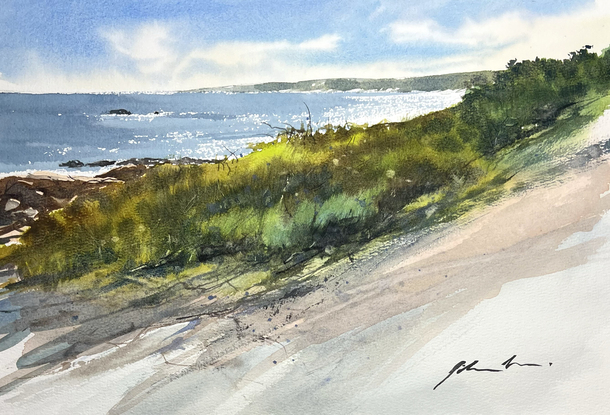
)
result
[(428, 83)]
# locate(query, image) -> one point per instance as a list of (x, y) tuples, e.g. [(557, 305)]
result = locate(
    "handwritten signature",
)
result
[(462, 366)]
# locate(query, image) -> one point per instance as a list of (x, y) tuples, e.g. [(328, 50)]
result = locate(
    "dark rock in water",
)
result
[(102, 163), (120, 111), (72, 164)]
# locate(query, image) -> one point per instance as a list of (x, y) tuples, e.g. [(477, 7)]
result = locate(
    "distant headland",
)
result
[(423, 83)]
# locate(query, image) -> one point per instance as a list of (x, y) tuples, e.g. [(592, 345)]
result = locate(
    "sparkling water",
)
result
[(38, 132)]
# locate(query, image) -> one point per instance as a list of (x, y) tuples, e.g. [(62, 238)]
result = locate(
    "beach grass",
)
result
[(248, 222)]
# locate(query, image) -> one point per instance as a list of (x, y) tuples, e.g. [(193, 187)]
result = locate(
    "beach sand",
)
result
[(526, 277)]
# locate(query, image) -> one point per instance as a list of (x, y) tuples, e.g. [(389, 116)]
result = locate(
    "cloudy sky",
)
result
[(155, 45)]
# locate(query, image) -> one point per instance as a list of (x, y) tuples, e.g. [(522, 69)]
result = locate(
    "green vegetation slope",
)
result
[(308, 193)]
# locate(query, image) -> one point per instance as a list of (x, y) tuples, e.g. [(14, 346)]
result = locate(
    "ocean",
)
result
[(39, 132)]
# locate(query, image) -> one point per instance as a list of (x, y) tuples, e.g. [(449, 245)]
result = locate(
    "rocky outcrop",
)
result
[(144, 161), (120, 111), (23, 199)]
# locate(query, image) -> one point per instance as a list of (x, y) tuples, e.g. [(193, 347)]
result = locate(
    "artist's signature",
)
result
[(462, 366)]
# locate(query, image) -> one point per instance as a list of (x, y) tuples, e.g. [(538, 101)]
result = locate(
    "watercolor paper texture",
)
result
[(327, 207)]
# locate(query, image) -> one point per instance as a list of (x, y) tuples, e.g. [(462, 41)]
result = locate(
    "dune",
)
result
[(526, 277)]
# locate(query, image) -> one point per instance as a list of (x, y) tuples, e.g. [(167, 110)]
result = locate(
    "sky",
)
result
[(168, 45)]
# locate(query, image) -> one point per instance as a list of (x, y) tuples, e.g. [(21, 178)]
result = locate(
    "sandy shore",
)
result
[(527, 277)]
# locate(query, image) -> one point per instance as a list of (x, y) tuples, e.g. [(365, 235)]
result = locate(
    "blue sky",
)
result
[(122, 45)]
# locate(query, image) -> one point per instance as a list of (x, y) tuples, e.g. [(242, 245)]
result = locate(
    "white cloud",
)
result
[(156, 56), (6, 86), (150, 46), (250, 54), (415, 32), (153, 57), (247, 62), (492, 42), (323, 43), (495, 32), (503, 30)]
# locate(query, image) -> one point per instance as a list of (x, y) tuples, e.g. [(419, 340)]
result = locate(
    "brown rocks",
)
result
[(23, 199)]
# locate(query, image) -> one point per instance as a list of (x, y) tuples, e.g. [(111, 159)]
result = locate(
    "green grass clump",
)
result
[(306, 190)]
